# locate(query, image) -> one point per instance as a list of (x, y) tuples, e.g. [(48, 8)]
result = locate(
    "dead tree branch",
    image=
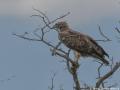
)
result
[(99, 74), (44, 17), (41, 13), (71, 64), (72, 68), (106, 39), (107, 75), (52, 82), (118, 31)]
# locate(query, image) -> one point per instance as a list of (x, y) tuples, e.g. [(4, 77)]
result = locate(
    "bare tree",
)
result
[(72, 65)]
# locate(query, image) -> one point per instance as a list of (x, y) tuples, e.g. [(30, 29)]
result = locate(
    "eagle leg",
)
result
[(77, 56)]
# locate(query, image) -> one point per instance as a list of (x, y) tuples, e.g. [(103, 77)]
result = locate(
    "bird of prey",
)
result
[(82, 44)]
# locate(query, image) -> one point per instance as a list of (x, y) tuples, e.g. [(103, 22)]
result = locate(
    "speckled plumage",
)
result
[(81, 43)]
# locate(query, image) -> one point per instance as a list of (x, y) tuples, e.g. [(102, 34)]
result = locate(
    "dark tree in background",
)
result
[(40, 35)]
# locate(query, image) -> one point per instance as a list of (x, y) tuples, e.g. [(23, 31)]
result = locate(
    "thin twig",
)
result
[(39, 40), (48, 22), (103, 35), (52, 82), (117, 30), (99, 74), (42, 14)]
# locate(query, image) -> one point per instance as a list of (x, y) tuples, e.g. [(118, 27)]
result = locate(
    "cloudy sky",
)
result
[(29, 65), (82, 9)]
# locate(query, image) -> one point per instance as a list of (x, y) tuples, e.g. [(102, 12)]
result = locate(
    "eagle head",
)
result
[(60, 25)]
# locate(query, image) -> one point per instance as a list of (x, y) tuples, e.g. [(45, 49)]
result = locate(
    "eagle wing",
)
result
[(97, 50)]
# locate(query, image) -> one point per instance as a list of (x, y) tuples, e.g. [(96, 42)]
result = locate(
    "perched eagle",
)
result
[(82, 44)]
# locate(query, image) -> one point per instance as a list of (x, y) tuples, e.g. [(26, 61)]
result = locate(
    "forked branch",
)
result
[(107, 75), (106, 39)]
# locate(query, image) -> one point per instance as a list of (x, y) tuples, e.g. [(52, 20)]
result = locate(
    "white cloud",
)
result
[(80, 9)]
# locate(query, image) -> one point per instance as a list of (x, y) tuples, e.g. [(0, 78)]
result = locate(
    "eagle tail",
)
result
[(103, 59), (106, 54)]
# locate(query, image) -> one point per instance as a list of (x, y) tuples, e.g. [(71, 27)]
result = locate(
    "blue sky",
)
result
[(26, 65)]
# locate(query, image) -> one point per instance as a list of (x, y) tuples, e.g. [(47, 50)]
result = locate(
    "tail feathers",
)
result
[(106, 54), (102, 58)]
